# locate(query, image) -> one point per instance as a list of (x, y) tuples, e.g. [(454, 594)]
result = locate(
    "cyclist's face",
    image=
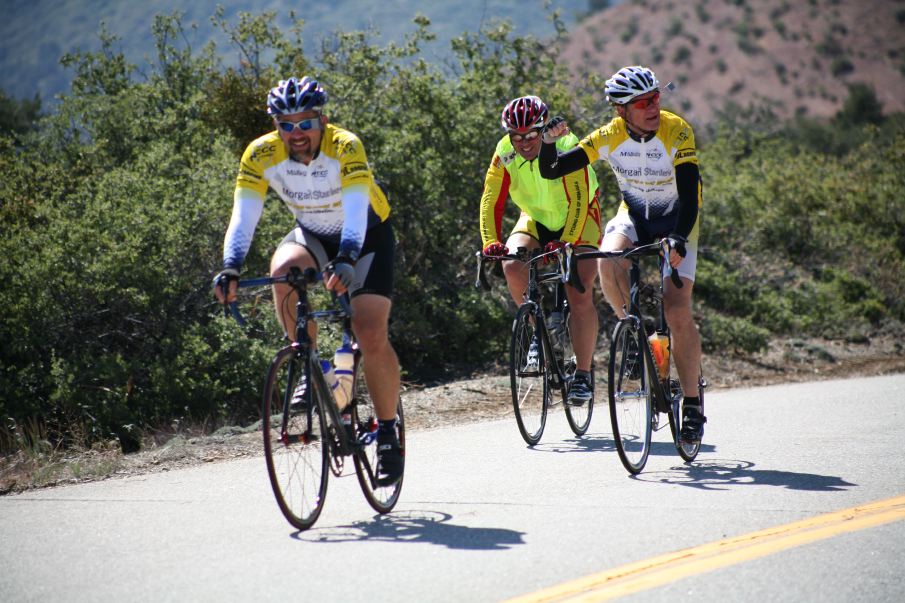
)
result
[(301, 144), (526, 144), (643, 112)]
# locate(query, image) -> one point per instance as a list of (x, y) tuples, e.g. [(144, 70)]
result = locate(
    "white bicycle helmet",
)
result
[(629, 82)]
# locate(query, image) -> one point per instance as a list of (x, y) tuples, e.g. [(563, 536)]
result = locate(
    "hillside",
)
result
[(797, 57), (34, 35)]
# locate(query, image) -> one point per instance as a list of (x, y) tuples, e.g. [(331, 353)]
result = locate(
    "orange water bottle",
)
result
[(659, 346)]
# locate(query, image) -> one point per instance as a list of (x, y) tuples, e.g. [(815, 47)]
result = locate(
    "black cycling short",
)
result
[(374, 268)]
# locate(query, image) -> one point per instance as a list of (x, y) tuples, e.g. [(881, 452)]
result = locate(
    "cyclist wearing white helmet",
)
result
[(321, 173), (552, 213), (653, 156)]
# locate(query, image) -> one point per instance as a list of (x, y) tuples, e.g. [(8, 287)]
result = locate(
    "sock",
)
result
[(692, 403), (584, 373), (388, 426)]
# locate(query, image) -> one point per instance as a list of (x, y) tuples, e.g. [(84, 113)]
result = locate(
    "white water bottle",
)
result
[(343, 367), (329, 375)]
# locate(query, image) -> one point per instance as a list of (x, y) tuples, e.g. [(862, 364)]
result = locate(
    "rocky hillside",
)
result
[(796, 56)]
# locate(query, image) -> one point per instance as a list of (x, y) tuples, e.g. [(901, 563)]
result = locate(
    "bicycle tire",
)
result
[(630, 397), (579, 417), (364, 419), (531, 390), (688, 452), (298, 457)]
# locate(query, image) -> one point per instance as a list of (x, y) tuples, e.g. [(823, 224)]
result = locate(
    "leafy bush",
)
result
[(113, 212)]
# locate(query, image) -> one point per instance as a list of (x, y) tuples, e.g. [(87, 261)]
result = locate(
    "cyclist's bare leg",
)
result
[(614, 274), (284, 298), (686, 342), (370, 323), (517, 272), (583, 322)]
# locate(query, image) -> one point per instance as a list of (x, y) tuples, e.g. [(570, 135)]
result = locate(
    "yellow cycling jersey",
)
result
[(557, 204), (645, 170), (313, 192), (335, 196)]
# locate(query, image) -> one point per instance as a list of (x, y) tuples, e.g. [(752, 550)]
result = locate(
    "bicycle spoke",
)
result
[(630, 397), (528, 376), (296, 454)]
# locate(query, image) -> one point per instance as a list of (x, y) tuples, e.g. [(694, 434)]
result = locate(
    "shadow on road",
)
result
[(431, 527), (720, 474), (577, 444)]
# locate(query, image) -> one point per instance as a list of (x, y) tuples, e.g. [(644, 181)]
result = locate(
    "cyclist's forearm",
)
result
[(247, 209), (553, 164), (687, 179), (355, 202)]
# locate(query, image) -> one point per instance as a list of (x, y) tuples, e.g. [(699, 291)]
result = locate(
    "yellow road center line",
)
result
[(664, 569)]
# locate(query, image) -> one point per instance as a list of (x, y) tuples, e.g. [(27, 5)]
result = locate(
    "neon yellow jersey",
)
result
[(645, 170), (557, 204)]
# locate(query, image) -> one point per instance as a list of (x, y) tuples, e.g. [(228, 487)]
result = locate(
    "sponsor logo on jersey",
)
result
[(507, 158), (657, 172), (629, 154), (346, 147), (685, 153), (655, 154), (262, 151), (355, 166), (319, 173), (310, 195)]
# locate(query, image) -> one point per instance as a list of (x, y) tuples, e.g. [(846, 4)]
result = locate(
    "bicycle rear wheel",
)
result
[(579, 417), (364, 419), (531, 390), (295, 446), (631, 404), (687, 451)]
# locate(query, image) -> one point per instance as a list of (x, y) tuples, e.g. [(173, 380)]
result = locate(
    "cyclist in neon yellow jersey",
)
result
[(653, 156), (566, 210)]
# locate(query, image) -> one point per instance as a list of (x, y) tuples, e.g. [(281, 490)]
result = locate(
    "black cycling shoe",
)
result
[(580, 391), (692, 425), (389, 459)]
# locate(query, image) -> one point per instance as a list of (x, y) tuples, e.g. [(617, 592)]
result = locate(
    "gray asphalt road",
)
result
[(485, 518)]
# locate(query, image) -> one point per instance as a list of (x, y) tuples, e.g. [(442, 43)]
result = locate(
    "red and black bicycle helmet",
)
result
[(524, 113)]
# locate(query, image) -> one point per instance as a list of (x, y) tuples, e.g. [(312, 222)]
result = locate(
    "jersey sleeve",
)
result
[(354, 168), (577, 189), (257, 156), (355, 180), (592, 144), (493, 201), (248, 206), (683, 143)]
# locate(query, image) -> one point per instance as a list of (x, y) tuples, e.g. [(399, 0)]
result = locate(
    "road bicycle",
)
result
[(541, 358), (641, 386), (306, 436)]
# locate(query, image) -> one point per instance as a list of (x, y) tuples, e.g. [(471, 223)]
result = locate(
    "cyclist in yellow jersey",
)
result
[(653, 156), (321, 173), (552, 213)]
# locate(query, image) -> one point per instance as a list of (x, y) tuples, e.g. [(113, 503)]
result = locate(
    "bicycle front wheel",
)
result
[(528, 369), (631, 403), (295, 445), (364, 419)]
